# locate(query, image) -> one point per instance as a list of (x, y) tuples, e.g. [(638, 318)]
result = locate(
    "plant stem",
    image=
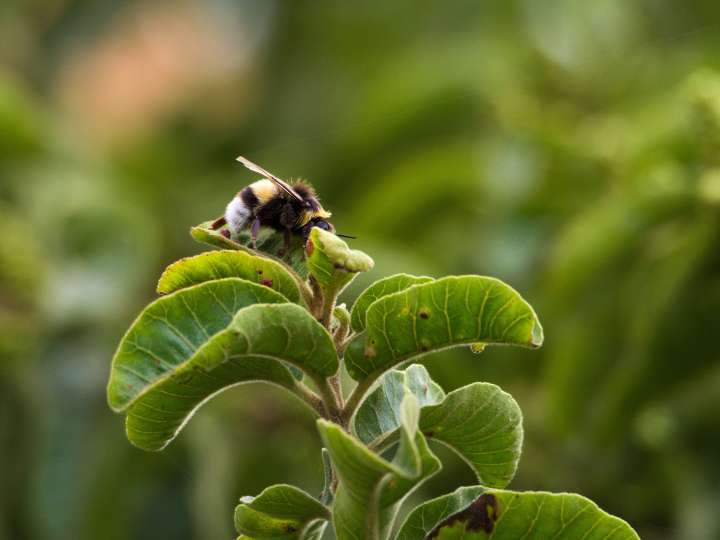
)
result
[(357, 396), (337, 390), (329, 399), (316, 304), (310, 398), (344, 343), (327, 310)]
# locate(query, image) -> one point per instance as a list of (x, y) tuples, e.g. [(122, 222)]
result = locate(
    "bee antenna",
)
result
[(346, 236)]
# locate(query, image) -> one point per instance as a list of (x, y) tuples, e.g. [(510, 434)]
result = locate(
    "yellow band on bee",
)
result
[(306, 217), (264, 190)]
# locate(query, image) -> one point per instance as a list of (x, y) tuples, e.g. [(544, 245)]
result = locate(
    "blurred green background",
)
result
[(569, 148)]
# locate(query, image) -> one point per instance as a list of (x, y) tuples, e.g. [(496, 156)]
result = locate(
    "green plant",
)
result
[(234, 316)]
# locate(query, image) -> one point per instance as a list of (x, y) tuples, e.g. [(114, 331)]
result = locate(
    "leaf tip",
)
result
[(116, 400), (338, 252), (537, 336)]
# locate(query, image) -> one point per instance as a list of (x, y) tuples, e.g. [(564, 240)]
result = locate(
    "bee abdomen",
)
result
[(238, 212)]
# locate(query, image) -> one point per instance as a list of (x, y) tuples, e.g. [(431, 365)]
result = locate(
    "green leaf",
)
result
[(281, 512), (254, 347), (270, 244), (172, 329), (332, 263), (379, 414), (371, 488), (477, 513), (483, 425), (380, 288), (225, 264), (185, 347), (422, 520), (444, 313), (205, 234), (480, 422), (327, 495)]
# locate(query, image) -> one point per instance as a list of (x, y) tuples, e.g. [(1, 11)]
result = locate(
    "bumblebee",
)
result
[(271, 202)]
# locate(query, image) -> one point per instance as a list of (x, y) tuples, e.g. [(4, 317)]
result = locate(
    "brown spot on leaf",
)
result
[(267, 282), (481, 515), (424, 313), (260, 271), (309, 247)]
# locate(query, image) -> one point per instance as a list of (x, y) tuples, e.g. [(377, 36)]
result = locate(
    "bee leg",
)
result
[(286, 246), (254, 232), (219, 222)]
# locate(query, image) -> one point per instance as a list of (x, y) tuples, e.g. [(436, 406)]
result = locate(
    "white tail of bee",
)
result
[(237, 215)]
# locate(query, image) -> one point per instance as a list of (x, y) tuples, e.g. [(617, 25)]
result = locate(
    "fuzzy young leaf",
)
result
[(225, 264), (380, 288), (172, 329), (478, 513), (205, 234), (379, 414), (371, 488), (281, 512), (341, 317), (254, 347), (270, 244), (480, 422), (444, 313), (332, 263)]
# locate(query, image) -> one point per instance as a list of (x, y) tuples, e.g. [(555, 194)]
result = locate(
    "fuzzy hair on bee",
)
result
[(293, 209)]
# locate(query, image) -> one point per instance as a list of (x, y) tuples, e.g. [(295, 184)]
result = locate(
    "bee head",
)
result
[(320, 223), (323, 224)]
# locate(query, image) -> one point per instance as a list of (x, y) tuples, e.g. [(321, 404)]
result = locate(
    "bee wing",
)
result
[(281, 183)]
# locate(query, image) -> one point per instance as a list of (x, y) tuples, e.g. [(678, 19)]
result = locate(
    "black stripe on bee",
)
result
[(249, 198)]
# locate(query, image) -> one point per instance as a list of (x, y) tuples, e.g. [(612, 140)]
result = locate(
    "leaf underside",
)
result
[(480, 422), (379, 414)]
